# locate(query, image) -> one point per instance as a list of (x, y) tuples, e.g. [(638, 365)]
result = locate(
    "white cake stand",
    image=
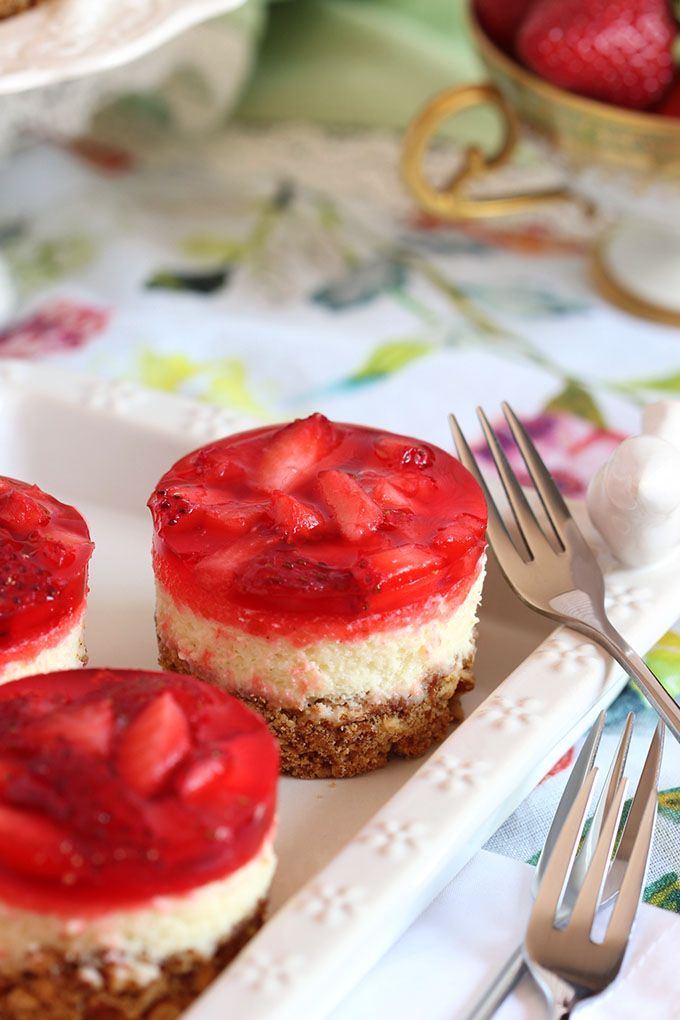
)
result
[(61, 41)]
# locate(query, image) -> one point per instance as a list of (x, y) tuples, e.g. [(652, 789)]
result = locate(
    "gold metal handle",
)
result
[(452, 202)]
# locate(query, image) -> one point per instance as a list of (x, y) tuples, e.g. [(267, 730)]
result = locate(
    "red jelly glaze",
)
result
[(44, 551), (314, 526), (120, 785)]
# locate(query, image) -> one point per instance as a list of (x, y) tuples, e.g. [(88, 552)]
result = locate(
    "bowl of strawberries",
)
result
[(598, 83)]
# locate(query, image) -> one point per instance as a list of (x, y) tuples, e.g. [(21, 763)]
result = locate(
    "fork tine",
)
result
[(633, 880), (579, 772), (649, 781), (550, 496), (578, 873), (502, 544), (529, 528), (618, 764), (554, 882), (589, 897)]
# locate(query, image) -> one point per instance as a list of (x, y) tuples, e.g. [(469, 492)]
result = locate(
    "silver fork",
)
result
[(568, 964), (514, 967), (554, 571)]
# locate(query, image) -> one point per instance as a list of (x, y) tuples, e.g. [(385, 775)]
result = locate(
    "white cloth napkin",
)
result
[(437, 970)]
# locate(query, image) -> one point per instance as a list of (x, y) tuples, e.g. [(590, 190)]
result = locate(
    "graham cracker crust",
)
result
[(360, 738), (52, 987), (10, 7)]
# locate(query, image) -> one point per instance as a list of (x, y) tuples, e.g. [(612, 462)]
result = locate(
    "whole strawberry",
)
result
[(670, 105), (618, 51), (500, 19)]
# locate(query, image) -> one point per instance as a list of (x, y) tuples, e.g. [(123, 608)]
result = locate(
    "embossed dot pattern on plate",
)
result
[(625, 600), (507, 714), (451, 775), (262, 972), (116, 396), (208, 422), (332, 904), (563, 654), (394, 839)]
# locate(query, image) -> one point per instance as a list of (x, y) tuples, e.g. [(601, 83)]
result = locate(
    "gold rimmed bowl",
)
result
[(624, 162)]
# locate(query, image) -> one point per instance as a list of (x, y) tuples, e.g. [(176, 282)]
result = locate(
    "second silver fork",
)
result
[(514, 967), (566, 959), (577, 874)]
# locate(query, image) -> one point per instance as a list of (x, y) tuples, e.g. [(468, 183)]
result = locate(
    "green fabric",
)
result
[(250, 17), (361, 62), (348, 63)]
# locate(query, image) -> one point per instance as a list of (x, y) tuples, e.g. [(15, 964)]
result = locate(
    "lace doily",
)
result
[(362, 168), (214, 58)]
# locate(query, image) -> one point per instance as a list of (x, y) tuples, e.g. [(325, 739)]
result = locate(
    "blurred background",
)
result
[(245, 203)]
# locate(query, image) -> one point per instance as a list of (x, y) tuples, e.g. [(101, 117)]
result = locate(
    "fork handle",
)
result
[(619, 649), (505, 980)]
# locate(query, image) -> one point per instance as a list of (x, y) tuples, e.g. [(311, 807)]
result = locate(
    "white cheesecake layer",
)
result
[(64, 649), (137, 941), (396, 663)]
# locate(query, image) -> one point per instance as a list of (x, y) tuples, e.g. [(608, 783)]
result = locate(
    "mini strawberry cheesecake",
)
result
[(136, 823), (329, 575), (45, 548)]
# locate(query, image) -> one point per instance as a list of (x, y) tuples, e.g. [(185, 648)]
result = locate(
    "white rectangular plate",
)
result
[(359, 858)]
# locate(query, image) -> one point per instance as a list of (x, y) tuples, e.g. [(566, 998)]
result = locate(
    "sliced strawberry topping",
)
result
[(353, 510), (416, 485), (176, 789), (293, 453), (457, 538), (398, 452), (216, 571), (214, 467), (31, 844), (392, 568), (185, 508), (297, 583), (247, 768), (389, 573), (293, 517), (21, 513), (235, 518), (89, 727), (44, 550), (388, 495), (153, 745), (284, 528), (173, 508), (202, 776), (57, 554)]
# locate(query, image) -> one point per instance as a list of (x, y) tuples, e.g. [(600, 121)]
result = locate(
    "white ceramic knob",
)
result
[(662, 419), (634, 500)]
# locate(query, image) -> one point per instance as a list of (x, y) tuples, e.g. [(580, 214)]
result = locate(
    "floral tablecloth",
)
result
[(276, 271)]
